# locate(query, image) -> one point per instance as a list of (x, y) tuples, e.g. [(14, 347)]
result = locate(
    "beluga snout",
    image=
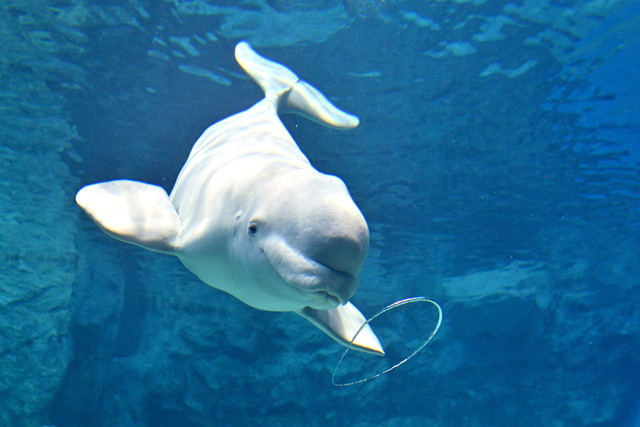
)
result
[(339, 242), (342, 246)]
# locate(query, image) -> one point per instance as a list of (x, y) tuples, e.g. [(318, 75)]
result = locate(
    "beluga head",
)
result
[(304, 237)]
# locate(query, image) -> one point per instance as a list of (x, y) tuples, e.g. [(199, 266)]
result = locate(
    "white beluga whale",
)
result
[(250, 216)]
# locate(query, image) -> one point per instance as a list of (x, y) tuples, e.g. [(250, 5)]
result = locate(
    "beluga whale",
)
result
[(249, 214)]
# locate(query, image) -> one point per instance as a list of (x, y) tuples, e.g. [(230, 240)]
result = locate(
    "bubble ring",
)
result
[(384, 310)]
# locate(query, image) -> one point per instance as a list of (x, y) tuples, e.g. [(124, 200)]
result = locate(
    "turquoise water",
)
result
[(497, 163)]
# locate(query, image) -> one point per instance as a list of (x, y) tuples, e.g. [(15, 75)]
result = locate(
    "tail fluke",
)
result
[(282, 86)]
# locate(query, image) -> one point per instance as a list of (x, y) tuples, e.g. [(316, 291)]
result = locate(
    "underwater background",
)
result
[(497, 163)]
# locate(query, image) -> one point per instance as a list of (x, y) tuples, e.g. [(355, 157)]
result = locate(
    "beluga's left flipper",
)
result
[(250, 216)]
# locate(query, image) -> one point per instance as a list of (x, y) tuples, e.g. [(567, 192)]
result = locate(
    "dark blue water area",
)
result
[(497, 163)]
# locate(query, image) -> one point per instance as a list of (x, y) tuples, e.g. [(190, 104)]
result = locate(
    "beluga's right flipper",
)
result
[(341, 324)]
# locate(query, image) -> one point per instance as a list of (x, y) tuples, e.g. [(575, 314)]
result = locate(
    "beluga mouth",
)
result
[(326, 296), (332, 287)]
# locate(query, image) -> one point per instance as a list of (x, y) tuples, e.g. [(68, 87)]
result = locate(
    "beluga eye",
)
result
[(252, 229)]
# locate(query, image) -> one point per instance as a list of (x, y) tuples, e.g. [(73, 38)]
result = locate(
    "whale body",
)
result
[(250, 216)]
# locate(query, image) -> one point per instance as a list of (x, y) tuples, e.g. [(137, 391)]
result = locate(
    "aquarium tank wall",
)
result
[(497, 164)]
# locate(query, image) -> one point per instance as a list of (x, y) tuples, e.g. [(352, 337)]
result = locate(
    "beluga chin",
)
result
[(250, 216)]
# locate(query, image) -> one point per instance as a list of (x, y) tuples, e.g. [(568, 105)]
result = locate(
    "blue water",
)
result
[(497, 163)]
